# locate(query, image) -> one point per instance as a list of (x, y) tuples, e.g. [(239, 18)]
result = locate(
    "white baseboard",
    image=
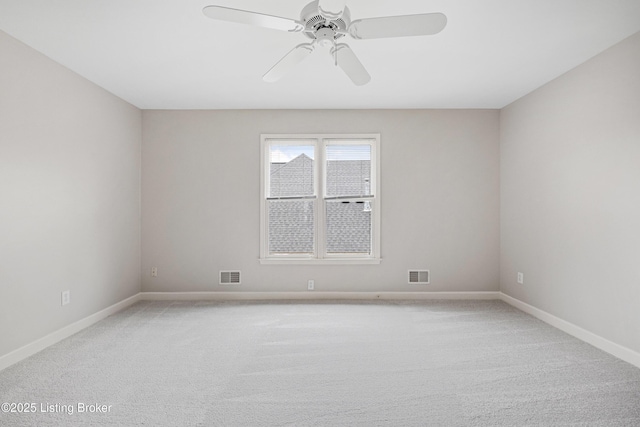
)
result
[(597, 341), (314, 295), (612, 348), (54, 337)]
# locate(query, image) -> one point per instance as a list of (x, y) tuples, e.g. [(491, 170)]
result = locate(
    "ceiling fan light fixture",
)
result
[(326, 21), (325, 37)]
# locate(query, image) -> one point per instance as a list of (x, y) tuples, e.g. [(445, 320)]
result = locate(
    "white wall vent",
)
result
[(419, 277), (229, 277)]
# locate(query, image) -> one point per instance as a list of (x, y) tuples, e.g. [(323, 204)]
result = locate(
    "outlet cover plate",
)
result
[(65, 297)]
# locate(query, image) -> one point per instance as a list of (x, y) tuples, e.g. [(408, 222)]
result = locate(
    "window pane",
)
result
[(348, 170), (291, 227), (291, 170), (348, 227)]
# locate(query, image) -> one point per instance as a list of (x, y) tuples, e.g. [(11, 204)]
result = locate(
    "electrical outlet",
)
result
[(65, 297), (154, 271), (521, 278), (310, 285)]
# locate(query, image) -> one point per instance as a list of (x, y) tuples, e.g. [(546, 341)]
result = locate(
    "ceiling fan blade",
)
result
[(252, 18), (350, 64), (288, 62), (331, 9), (425, 24)]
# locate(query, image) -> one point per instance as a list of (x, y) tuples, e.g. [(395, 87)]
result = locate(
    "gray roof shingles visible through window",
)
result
[(291, 221)]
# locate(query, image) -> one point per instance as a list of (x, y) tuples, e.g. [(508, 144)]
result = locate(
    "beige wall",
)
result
[(69, 196), (570, 196), (439, 188)]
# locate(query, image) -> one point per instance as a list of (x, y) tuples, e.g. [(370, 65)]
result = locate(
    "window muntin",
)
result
[(320, 198)]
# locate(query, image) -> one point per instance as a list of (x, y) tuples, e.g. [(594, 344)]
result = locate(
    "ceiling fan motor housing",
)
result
[(319, 28)]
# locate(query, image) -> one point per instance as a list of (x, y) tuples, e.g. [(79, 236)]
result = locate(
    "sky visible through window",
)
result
[(286, 153)]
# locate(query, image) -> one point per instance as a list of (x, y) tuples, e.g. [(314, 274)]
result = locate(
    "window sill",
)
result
[(325, 261)]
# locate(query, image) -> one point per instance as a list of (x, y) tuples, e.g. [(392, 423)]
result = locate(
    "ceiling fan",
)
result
[(325, 22)]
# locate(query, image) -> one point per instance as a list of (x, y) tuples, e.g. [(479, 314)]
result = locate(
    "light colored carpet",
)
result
[(435, 363)]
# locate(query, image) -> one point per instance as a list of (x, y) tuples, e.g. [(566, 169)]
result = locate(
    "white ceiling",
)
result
[(165, 54)]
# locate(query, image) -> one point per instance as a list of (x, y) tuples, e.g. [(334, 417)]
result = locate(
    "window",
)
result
[(320, 199)]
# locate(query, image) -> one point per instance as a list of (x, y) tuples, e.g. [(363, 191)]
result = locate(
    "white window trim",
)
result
[(320, 258)]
